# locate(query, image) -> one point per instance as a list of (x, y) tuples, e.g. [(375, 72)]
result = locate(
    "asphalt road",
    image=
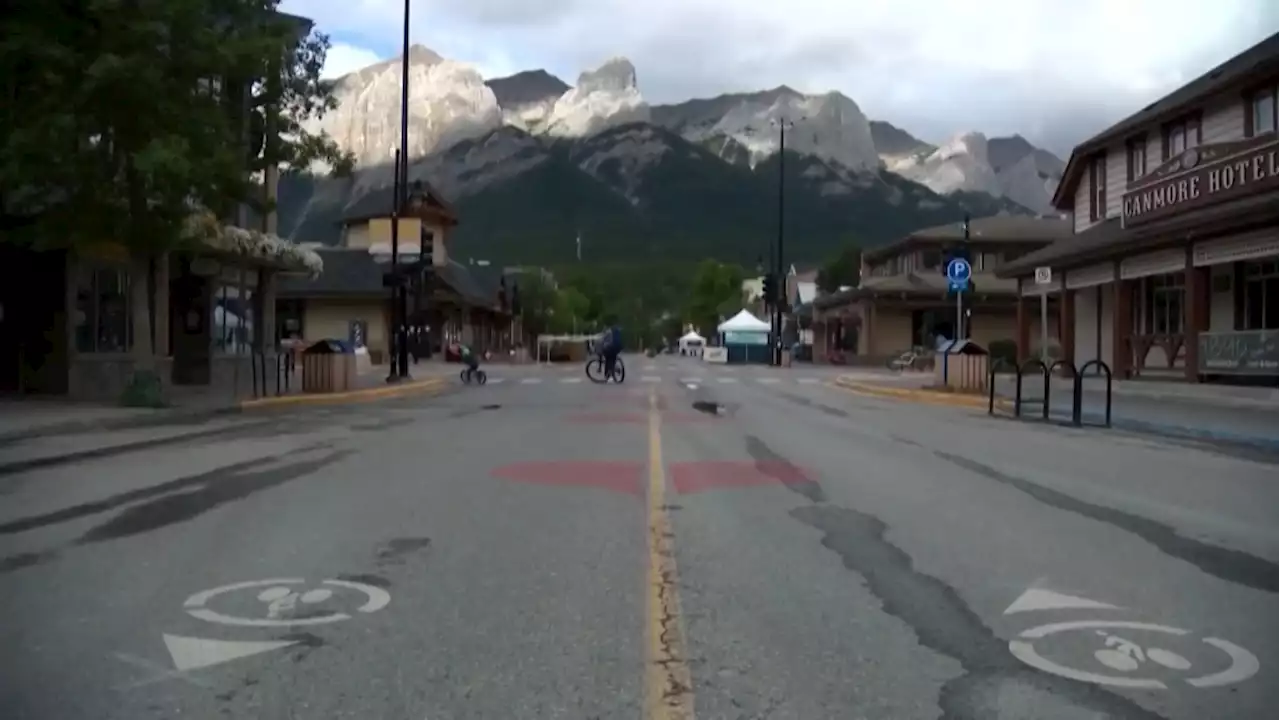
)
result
[(670, 548)]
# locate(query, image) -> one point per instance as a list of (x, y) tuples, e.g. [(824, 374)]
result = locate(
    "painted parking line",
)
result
[(571, 380), (650, 379), (727, 380), (807, 381), (768, 380), (496, 381), (691, 380), (530, 381)]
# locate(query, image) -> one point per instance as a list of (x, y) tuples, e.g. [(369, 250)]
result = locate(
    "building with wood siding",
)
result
[(462, 302), (1170, 269), (902, 299)]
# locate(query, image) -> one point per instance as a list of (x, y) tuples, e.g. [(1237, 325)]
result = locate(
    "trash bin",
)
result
[(328, 366), (962, 366)]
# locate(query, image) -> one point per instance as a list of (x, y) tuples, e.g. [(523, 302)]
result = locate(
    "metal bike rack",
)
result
[(1017, 391), (1077, 400), (1075, 384), (286, 367)]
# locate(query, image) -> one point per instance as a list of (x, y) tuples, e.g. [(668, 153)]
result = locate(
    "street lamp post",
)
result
[(396, 369), (783, 125), (400, 313)]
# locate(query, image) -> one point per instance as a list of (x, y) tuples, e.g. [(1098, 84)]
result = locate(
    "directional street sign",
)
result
[(958, 273)]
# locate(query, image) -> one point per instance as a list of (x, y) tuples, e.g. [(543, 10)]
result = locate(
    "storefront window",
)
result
[(1162, 297), (1260, 296), (233, 317), (103, 317)]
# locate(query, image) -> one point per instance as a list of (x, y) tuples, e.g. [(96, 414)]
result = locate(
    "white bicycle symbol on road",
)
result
[(1123, 655)]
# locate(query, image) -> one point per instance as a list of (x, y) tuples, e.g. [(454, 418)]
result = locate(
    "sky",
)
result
[(1053, 72)]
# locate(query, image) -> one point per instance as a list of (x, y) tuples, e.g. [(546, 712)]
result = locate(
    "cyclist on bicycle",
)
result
[(610, 346), (468, 358)]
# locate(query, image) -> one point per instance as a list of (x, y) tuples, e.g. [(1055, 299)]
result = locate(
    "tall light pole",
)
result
[(783, 124), (400, 187)]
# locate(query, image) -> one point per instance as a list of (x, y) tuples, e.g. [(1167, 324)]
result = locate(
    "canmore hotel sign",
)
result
[(1201, 176)]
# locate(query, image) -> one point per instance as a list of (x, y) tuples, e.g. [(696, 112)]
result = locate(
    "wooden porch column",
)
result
[(1067, 325), (1122, 330), (1023, 324), (1195, 314), (867, 333)]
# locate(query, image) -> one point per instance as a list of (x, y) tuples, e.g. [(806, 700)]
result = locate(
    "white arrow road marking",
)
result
[(1037, 599), (189, 653)]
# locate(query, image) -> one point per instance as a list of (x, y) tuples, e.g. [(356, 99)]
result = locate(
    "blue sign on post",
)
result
[(958, 273)]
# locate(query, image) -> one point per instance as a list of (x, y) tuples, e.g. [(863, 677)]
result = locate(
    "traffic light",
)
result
[(769, 289), (426, 249)]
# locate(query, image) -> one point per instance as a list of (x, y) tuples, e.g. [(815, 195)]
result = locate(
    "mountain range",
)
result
[(533, 164)]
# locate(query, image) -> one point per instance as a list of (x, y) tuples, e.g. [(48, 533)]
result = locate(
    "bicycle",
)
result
[(480, 376), (595, 370), (909, 360)]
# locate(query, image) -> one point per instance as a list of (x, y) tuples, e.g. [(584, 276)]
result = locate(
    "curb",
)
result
[(351, 396), (930, 397)]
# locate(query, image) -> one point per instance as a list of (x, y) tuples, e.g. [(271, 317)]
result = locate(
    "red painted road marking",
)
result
[(693, 477), (623, 477)]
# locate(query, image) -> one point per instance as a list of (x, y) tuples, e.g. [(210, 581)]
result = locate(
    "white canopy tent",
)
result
[(692, 343), (744, 321)]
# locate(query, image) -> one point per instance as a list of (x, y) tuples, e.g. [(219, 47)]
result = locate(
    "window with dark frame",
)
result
[(1260, 117), (1161, 297), (1136, 149), (103, 318), (1180, 135), (1261, 295), (1098, 185)]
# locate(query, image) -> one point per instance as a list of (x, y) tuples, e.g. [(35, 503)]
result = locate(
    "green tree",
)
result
[(715, 292), (845, 269), (571, 309), (120, 117), (538, 301)]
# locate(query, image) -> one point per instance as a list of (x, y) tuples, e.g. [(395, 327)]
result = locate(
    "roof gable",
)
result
[(1258, 61)]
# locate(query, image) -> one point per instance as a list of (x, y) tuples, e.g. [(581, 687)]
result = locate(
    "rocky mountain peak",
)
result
[(603, 98), (423, 55), (615, 75)]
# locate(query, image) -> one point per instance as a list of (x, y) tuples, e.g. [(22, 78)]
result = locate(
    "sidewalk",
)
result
[(1237, 415), (41, 432)]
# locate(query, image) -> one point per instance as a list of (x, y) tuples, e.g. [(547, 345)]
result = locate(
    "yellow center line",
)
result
[(668, 683)]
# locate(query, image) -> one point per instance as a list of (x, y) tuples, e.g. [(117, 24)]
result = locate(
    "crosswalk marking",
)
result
[(688, 380)]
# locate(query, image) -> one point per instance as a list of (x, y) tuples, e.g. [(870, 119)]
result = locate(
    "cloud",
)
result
[(343, 58), (1055, 73)]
